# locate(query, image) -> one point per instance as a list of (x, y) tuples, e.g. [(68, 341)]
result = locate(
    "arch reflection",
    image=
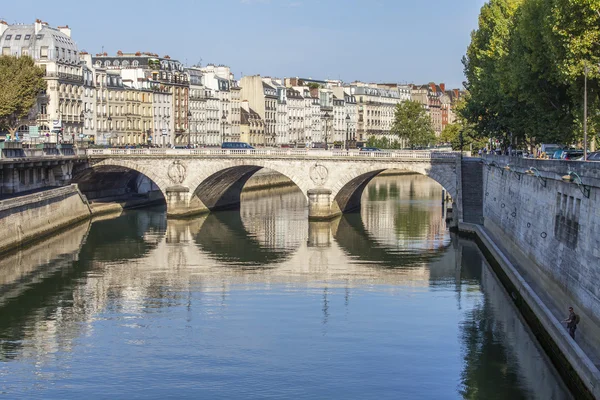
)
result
[(268, 229), (401, 224), (133, 236)]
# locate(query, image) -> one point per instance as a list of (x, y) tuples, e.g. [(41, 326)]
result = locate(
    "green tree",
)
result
[(489, 108), (412, 123), (21, 81), (525, 68)]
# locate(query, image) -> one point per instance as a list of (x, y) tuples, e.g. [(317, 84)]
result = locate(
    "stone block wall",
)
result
[(30, 217), (549, 222)]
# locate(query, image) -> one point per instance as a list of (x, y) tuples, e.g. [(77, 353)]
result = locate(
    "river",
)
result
[(259, 303)]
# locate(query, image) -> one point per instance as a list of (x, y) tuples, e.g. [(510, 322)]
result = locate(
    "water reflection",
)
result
[(367, 306)]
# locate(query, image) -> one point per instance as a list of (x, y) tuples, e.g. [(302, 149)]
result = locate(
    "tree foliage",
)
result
[(525, 68), (412, 123), (383, 143), (21, 81)]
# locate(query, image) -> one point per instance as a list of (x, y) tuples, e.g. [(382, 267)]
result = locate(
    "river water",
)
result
[(260, 303)]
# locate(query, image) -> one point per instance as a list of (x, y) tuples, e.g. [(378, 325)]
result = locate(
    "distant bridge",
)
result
[(193, 181), (199, 180)]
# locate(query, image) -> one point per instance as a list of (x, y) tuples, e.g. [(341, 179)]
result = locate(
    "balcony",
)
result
[(64, 76)]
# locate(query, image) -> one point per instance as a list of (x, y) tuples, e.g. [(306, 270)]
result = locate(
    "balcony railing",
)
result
[(65, 76)]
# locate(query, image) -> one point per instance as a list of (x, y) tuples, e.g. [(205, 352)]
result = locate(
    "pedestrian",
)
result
[(572, 322), (480, 152)]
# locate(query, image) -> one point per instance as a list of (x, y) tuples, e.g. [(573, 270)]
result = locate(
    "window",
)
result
[(39, 36), (6, 51), (8, 37), (27, 37), (18, 37), (24, 51)]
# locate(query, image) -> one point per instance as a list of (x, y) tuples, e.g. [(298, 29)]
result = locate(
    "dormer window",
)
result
[(27, 37), (8, 37), (39, 36), (18, 37)]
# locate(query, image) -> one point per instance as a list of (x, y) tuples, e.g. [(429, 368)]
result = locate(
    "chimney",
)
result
[(443, 87), (245, 105), (3, 27), (65, 30), (38, 26)]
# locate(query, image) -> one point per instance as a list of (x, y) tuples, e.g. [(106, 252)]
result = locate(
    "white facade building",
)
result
[(58, 112)]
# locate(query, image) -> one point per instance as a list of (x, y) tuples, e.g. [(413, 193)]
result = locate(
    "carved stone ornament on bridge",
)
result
[(177, 172), (318, 174)]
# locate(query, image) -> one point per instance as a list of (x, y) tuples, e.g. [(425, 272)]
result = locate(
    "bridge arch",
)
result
[(112, 176), (220, 186), (346, 193)]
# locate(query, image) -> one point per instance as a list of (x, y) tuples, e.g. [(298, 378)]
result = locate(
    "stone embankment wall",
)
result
[(28, 218), (551, 222)]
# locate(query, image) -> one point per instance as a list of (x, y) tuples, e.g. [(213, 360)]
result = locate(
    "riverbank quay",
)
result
[(25, 219), (544, 305)]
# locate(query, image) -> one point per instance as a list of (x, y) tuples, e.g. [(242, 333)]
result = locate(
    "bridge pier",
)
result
[(320, 205), (181, 203)]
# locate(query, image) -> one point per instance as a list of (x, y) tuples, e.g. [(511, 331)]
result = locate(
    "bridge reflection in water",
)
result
[(385, 291)]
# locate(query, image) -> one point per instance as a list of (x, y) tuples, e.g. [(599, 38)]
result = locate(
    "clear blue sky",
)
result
[(370, 40)]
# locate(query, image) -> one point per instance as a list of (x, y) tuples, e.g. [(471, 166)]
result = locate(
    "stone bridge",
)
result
[(201, 180)]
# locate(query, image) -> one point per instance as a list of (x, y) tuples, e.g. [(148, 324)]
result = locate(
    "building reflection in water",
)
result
[(123, 272)]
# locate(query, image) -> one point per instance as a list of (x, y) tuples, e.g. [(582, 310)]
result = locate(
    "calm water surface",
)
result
[(260, 303)]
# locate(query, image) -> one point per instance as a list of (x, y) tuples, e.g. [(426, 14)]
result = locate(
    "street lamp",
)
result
[(82, 117), (189, 127), (347, 131), (585, 114), (223, 119), (326, 126)]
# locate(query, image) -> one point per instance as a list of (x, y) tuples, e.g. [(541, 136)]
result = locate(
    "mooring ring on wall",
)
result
[(529, 224), (514, 215), (544, 235), (487, 194), (503, 205)]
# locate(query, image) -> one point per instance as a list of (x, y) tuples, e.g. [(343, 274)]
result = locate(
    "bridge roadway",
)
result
[(194, 181)]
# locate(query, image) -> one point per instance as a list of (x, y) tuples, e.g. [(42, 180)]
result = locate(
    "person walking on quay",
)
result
[(572, 322)]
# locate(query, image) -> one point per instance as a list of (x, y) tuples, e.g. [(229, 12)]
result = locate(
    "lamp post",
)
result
[(326, 126), (109, 119), (585, 113), (82, 117), (347, 131), (189, 128), (223, 119)]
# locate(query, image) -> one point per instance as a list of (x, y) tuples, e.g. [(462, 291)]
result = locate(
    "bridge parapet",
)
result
[(414, 155)]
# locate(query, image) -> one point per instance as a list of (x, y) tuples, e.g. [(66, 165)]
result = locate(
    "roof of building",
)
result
[(38, 36), (246, 116)]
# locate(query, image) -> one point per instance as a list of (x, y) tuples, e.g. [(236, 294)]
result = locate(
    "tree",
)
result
[(412, 123), (21, 81), (525, 67)]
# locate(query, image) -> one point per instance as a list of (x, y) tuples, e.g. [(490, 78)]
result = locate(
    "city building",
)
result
[(282, 130), (376, 110), (252, 126), (295, 116), (197, 105), (58, 111), (262, 98), (169, 83)]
